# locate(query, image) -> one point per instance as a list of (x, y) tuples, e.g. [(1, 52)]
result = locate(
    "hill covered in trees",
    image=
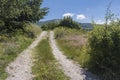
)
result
[(87, 26)]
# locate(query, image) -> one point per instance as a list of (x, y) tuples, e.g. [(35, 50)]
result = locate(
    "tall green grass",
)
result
[(11, 46), (45, 66)]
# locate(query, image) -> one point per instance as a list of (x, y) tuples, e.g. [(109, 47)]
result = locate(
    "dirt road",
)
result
[(20, 68)]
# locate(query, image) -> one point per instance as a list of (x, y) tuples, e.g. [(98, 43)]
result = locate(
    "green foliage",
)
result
[(31, 11), (49, 26), (14, 14), (68, 22), (65, 22), (45, 67), (105, 52)]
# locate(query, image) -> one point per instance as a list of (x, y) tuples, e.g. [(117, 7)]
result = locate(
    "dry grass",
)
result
[(75, 40)]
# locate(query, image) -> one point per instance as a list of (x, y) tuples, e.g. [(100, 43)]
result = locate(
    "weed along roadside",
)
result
[(45, 66), (11, 46)]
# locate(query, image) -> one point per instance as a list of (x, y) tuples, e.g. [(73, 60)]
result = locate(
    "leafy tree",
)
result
[(50, 26), (68, 22), (15, 13), (32, 11)]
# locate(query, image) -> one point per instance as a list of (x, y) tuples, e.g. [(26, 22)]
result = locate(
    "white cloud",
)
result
[(80, 17), (68, 14)]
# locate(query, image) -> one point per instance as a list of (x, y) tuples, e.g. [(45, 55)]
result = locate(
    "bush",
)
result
[(1, 23), (68, 22), (50, 26), (105, 52), (65, 22)]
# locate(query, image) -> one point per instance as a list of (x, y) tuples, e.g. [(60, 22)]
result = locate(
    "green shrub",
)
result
[(1, 23), (50, 26), (105, 52), (68, 22), (65, 22)]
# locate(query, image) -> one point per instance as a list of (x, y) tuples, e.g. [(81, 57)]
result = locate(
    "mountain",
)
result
[(48, 21), (86, 26)]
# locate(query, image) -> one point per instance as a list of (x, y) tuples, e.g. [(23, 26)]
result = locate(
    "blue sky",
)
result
[(80, 10)]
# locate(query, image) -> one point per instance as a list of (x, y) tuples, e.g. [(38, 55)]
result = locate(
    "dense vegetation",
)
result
[(105, 52), (68, 22), (50, 26), (104, 44), (45, 66), (14, 14), (65, 22)]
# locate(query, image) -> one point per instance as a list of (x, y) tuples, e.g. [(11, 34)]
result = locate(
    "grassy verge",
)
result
[(10, 47), (73, 43), (45, 66)]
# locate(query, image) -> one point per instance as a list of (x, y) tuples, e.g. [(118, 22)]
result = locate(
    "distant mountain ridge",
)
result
[(86, 25), (48, 21), (83, 25)]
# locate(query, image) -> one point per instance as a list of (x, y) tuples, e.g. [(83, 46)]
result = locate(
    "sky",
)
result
[(80, 10)]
